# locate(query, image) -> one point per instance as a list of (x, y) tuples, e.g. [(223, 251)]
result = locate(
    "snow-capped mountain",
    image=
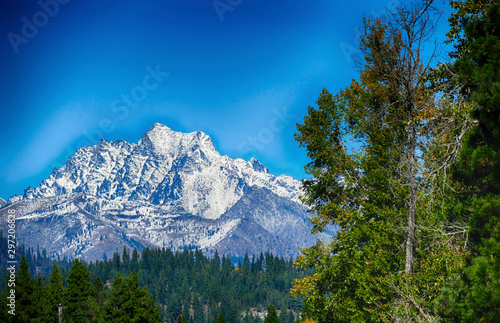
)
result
[(2, 202), (171, 189)]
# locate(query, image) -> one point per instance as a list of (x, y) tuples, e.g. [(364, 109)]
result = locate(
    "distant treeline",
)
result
[(157, 283)]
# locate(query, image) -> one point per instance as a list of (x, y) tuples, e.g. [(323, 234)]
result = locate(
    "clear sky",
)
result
[(242, 71)]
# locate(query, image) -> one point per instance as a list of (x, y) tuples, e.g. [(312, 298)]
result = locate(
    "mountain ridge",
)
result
[(170, 189)]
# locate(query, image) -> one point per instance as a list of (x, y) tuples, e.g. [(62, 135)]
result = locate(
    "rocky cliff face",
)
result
[(171, 189)]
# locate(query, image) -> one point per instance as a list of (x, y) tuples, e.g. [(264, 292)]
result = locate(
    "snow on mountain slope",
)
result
[(2, 202), (165, 167), (171, 189)]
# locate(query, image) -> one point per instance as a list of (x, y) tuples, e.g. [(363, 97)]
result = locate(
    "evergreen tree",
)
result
[(98, 297), (134, 263), (181, 319), (479, 165), (125, 258), (184, 283), (24, 293), (77, 305), (286, 316), (116, 262), (272, 315), (197, 308), (128, 303), (41, 302), (56, 292), (475, 28), (5, 316), (221, 318)]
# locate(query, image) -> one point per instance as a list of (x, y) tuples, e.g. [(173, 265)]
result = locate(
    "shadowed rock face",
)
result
[(172, 190)]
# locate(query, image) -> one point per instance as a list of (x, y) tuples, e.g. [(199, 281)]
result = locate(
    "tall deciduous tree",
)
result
[(368, 147)]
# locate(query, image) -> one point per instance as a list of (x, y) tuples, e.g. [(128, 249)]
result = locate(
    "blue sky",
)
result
[(242, 71)]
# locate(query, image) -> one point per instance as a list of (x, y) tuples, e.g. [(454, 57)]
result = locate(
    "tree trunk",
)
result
[(412, 200)]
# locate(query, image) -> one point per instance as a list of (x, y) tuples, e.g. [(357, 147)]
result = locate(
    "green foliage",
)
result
[(380, 151), (286, 317), (364, 144), (272, 315), (55, 292), (359, 142), (475, 29), (40, 302), (479, 76), (98, 296), (25, 302), (190, 284), (77, 294), (221, 318), (483, 296), (183, 283), (128, 303)]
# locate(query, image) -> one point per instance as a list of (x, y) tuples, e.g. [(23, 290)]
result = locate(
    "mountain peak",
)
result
[(158, 130), (163, 141), (159, 126), (257, 165), (171, 189), (165, 167)]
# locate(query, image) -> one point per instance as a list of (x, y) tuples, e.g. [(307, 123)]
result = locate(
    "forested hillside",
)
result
[(163, 283), (198, 287)]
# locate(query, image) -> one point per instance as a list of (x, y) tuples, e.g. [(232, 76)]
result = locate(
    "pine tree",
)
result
[(272, 315), (125, 258), (127, 303), (475, 28), (24, 293), (479, 166), (134, 263), (197, 308), (286, 317), (5, 316), (77, 305), (41, 302), (98, 297), (221, 318), (56, 292)]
